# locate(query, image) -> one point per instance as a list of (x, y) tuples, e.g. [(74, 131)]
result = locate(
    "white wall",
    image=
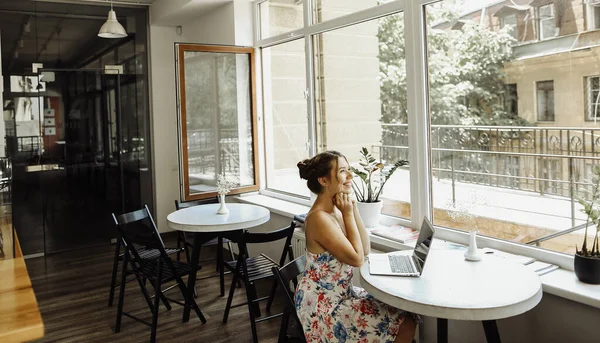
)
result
[(218, 26)]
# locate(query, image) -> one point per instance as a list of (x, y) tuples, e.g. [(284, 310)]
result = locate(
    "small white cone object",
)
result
[(472, 253)]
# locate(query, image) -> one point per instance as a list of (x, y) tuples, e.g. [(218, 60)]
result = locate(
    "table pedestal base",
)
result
[(489, 326)]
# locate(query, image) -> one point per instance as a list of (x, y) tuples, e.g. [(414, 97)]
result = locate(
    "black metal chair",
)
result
[(251, 269), (285, 275), (147, 254), (137, 229)]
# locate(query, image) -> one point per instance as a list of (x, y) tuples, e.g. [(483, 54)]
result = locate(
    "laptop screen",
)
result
[(424, 242)]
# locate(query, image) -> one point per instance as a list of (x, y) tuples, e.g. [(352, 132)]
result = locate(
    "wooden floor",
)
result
[(72, 293)]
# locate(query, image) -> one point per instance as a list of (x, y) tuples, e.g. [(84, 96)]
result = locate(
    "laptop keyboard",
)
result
[(401, 264)]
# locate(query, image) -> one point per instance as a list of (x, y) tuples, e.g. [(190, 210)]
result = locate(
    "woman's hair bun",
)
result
[(303, 167)]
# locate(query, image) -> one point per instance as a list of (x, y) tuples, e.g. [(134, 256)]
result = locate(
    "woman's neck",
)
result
[(324, 202)]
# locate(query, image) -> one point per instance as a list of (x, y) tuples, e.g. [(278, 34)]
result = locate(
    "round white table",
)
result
[(452, 288), (204, 218), (204, 221)]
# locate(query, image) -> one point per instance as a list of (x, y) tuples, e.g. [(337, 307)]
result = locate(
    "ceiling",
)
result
[(46, 32)]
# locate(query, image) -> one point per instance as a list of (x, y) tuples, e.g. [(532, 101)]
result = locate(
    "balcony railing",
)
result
[(544, 160), (212, 152)]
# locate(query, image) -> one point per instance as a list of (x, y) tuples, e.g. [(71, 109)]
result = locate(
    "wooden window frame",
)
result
[(181, 49)]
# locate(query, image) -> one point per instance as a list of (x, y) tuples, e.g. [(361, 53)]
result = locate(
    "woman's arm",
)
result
[(346, 248), (364, 234)]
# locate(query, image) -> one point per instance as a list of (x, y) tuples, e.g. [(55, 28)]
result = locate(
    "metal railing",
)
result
[(211, 152), (545, 160)]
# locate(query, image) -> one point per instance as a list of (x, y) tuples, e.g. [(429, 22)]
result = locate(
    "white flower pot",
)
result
[(370, 212)]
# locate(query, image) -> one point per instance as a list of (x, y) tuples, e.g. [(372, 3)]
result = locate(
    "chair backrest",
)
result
[(137, 228), (186, 204), (285, 275), (289, 273), (272, 236)]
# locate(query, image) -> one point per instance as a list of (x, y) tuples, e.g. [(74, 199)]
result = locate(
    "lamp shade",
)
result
[(112, 28)]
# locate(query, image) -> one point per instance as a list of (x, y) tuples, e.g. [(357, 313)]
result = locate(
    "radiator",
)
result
[(299, 242)]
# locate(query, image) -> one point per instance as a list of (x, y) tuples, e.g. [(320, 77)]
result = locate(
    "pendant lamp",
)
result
[(112, 28)]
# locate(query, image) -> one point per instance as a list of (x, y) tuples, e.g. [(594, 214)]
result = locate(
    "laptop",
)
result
[(400, 264)]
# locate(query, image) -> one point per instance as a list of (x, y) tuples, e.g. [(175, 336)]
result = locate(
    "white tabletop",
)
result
[(453, 288), (204, 218)]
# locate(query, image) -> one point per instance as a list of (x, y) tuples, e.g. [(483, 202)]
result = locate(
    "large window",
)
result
[(352, 96), (514, 175), (493, 129), (286, 117), (217, 118), (360, 97)]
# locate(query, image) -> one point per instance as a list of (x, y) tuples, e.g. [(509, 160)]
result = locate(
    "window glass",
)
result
[(547, 26), (510, 21), (286, 118), (511, 153), (324, 10), (280, 16), (360, 78), (511, 104), (592, 92), (217, 119)]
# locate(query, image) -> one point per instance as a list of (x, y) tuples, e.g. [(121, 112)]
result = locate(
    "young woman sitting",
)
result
[(329, 307)]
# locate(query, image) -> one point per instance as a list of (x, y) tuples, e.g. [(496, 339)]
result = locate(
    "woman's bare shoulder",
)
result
[(319, 223)]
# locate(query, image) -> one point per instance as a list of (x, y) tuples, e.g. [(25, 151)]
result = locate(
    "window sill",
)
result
[(561, 282)]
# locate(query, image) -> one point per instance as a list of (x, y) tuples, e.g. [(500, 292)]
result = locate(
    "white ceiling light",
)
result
[(112, 28)]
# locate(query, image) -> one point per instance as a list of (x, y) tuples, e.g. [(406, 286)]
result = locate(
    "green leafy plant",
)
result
[(373, 176), (592, 209)]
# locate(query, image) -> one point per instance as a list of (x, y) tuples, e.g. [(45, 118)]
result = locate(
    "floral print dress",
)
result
[(331, 310)]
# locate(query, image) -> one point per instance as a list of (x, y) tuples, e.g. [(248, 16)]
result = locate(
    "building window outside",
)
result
[(592, 16), (510, 20), (592, 97), (546, 23), (511, 104), (545, 100)]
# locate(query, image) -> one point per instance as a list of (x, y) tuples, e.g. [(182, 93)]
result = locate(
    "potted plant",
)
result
[(372, 177), (587, 262)]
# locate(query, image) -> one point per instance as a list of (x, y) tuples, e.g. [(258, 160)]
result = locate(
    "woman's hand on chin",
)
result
[(343, 202)]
